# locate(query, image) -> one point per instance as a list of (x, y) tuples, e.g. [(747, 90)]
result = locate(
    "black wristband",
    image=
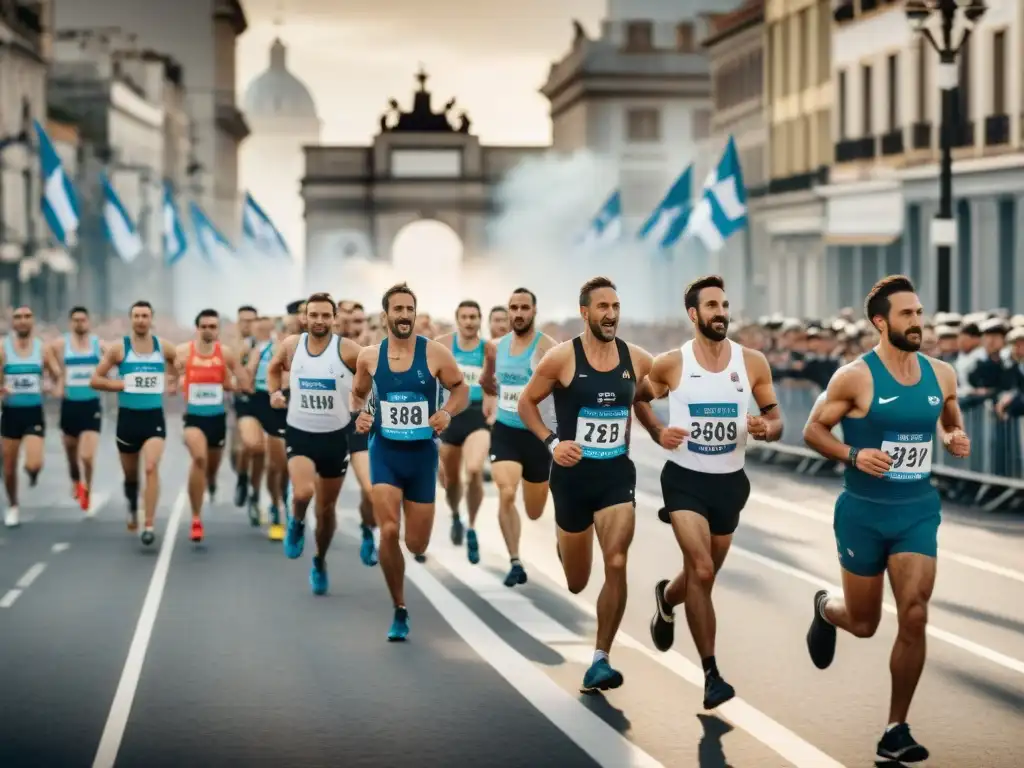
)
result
[(354, 415), (853, 457), (550, 439)]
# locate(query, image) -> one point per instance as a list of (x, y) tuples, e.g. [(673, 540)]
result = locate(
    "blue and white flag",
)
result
[(121, 231), (60, 203), (668, 220), (259, 231), (212, 244), (606, 227), (175, 241), (722, 210)]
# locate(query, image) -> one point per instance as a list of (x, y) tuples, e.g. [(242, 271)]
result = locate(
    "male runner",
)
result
[(593, 379), (890, 402), (709, 383), (241, 459), (146, 369), (497, 322), (465, 442), (404, 371), (517, 455), (252, 453), (78, 352), (23, 358), (204, 364), (322, 367), (272, 422)]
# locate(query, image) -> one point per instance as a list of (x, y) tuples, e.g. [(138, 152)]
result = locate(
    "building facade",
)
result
[(886, 128), (788, 232)]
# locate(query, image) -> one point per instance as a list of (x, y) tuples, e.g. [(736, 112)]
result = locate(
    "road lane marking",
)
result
[(605, 745), (59, 547), (976, 649), (120, 709), (758, 725), (30, 576), (9, 597)]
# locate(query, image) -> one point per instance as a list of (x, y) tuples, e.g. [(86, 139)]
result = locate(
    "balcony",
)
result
[(892, 143), (963, 134), (851, 150), (921, 136), (800, 182), (997, 130)]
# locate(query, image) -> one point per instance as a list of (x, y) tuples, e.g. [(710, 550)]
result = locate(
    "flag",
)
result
[(722, 209), (668, 220), (606, 226), (175, 241), (120, 229), (212, 244), (259, 231), (60, 203)]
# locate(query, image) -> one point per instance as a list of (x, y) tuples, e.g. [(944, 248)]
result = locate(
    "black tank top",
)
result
[(594, 410)]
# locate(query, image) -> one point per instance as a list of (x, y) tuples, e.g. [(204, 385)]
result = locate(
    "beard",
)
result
[(709, 331), (902, 343), (319, 331), (603, 332), (522, 327), (402, 329)]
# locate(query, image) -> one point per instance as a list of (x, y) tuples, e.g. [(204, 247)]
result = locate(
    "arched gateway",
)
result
[(420, 165)]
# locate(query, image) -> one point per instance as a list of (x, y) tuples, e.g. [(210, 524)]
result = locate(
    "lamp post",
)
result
[(919, 12)]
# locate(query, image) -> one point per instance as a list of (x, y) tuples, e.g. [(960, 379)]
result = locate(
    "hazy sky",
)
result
[(491, 55)]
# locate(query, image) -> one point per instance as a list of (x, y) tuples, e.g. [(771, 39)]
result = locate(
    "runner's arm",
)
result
[(349, 351), (451, 378), (488, 381), (951, 420), (52, 363), (362, 382), (546, 375), (112, 357), (280, 362), (763, 390), (234, 364), (653, 387), (832, 405)]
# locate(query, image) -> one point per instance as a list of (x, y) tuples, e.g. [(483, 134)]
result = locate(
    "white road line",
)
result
[(30, 576), (770, 733), (976, 649), (9, 597), (59, 547), (120, 709)]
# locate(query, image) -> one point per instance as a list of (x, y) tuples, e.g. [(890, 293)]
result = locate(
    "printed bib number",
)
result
[(405, 417), (144, 383), (317, 397), (714, 428), (471, 374), (78, 375), (508, 397), (25, 383), (911, 454), (601, 432), (206, 394)]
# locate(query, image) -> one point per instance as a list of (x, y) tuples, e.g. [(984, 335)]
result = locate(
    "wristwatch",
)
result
[(551, 441)]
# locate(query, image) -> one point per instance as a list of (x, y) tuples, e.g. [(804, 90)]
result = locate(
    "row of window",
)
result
[(801, 50), (644, 125), (801, 145), (639, 37), (738, 80)]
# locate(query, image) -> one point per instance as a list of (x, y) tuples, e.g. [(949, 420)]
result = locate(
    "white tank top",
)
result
[(320, 387), (712, 407)]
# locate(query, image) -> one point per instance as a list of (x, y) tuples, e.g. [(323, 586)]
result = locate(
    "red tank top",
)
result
[(204, 369)]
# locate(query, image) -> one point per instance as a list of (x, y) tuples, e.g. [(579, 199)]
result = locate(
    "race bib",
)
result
[(78, 375), (144, 383), (317, 397), (714, 428), (471, 374), (404, 416), (911, 454), (25, 383), (601, 432), (508, 397), (205, 394)]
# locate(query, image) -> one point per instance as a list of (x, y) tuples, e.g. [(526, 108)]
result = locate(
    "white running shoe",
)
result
[(11, 518)]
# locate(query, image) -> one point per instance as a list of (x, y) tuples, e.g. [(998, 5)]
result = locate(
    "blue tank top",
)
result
[(512, 372), (900, 421), (78, 369), (471, 364), (260, 379), (143, 377), (406, 400), (23, 376)]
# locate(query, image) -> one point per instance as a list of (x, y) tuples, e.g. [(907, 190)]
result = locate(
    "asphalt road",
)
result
[(219, 655)]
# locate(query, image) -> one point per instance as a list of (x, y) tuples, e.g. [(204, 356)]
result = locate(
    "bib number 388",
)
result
[(405, 417)]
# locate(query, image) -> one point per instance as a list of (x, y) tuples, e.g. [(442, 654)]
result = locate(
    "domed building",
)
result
[(283, 119)]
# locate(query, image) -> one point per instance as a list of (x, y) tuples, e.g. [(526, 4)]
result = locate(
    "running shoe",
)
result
[(821, 637), (457, 531), (318, 576), (399, 626), (197, 530), (601, 677), (472, 547), (368, 548), (899, 746), (663, 628), (294, 539)]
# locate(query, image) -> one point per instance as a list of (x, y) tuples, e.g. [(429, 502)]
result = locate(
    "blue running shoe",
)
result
[(274, 514), (368, 549), (601, 677), (318, 576), (294, 539), (516, 576), (399, 627), (472, 547)]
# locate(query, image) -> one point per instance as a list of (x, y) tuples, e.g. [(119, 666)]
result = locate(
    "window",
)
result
[(701, 124), (999, 73), (893, 74), (823, 27), (964, 84), (841, 96), (784, 57), (639, 36), (684, 38), (803, 44), (866, 99), (922, 80), (643, 125)]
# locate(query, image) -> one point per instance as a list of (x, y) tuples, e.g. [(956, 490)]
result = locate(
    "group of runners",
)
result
[(411, 413)]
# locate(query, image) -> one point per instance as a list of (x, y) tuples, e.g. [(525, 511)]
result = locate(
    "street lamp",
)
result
[(918, 14)]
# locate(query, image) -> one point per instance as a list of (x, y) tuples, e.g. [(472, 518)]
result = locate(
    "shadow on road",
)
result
[(710, 752)]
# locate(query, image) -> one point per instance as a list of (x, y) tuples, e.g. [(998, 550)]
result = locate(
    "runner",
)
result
[(242, 458), (887, 517), (146, 369), (21, 421), (295, 324), (497, 322), (425, 326), (466, 441), (709, 383), (272, 422), (78, 352), (317, 426), (593, 480), (517, 455), (404, 371), (204, 365)]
